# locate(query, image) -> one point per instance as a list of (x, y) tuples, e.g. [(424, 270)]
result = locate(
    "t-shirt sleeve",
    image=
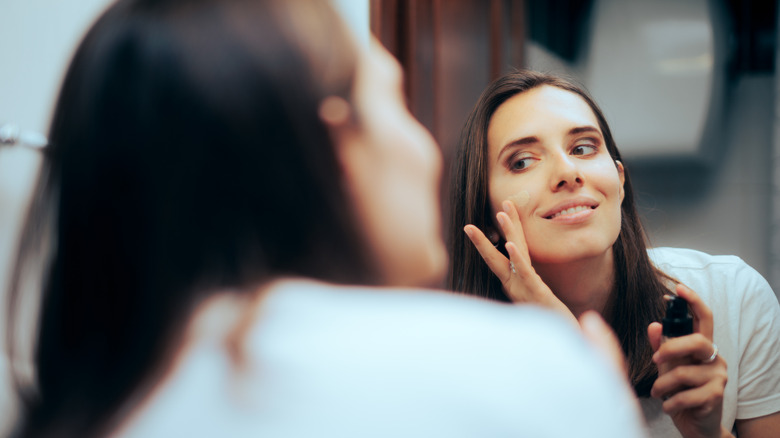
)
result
[(759, 343)]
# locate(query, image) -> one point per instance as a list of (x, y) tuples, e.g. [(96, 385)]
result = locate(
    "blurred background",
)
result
[(689, 88)]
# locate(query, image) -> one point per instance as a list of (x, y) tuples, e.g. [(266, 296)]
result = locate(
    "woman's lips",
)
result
[(571, 207), (573, 215), (570, 211)]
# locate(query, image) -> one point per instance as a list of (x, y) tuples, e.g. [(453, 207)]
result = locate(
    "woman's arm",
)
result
[(767, 426)]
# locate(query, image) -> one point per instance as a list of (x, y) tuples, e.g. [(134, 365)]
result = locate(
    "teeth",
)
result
[(570, 211)]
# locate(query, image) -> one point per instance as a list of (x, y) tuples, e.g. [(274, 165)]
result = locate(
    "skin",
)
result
[(767, 426), (392, 168), (546, 141)]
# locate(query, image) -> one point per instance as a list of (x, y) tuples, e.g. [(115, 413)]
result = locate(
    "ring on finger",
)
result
[(711, 359), (512, 268)]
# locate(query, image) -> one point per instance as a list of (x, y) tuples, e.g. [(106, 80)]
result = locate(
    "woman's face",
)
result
[(393, 169), (547, 154)]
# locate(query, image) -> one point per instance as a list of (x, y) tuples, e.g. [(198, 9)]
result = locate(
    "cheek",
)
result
[(520, 199), (522, 196), (519, 192), (606, 173)]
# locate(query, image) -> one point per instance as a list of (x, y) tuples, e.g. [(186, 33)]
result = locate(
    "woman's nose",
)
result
[(566, 173)]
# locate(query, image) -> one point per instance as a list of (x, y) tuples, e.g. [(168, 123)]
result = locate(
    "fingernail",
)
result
[(507, 207), (467, 231), (500, 219)]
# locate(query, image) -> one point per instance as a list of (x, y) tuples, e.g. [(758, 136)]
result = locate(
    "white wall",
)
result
[(36, 41), (37, 38)]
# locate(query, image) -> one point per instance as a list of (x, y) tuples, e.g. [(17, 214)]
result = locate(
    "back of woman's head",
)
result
[(186, 157)]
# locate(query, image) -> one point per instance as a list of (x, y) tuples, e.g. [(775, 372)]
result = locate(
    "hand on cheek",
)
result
[(520, 281)]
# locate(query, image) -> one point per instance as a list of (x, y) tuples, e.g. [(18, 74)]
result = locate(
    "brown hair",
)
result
[(639, 287), (185, 137)]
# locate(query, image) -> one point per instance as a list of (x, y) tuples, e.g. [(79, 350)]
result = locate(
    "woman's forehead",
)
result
[(537, 110)]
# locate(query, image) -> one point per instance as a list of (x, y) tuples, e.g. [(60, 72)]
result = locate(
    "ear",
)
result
[(622, 176), (335, 113)]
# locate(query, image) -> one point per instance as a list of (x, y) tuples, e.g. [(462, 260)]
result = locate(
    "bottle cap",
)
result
[(677, 321)]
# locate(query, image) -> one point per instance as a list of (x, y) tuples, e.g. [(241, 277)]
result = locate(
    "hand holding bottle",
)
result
[(692, 377)]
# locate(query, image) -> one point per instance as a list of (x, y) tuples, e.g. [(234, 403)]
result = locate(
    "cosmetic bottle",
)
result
[(677, 322)]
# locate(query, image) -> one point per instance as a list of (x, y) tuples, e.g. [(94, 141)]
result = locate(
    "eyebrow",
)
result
[(533, 139), (581, 129)]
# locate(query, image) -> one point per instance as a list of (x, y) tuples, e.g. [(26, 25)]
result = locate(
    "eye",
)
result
[(520, 163), (584, 149)]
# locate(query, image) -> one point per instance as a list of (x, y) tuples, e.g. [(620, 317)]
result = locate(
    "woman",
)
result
[(550, 218), (223, 175)]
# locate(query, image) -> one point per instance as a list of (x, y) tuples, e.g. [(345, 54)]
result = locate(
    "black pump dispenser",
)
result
[(677, 321)]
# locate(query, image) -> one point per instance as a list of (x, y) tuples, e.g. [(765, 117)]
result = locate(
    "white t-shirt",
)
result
[(746, 318), (325, 361)]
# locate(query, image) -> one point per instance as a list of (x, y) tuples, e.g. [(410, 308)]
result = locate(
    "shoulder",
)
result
[(400, 318), (712, 274), (451, 351), (684, 258), (326, 360)]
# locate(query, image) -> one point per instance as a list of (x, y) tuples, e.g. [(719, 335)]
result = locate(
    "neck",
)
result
[(584, 284)]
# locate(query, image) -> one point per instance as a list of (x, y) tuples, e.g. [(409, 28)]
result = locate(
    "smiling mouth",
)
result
[(569, 211)]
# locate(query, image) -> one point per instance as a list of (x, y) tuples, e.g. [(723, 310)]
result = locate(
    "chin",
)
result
[(569, 253)]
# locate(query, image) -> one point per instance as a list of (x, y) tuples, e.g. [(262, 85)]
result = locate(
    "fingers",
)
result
[(684, 377), (702, 315), (703, 400), (691, 388), (509, 220), (522, 268), (521, 283), (516, 247), (654, 332), (496, 261), (695, 346), (603, 338)]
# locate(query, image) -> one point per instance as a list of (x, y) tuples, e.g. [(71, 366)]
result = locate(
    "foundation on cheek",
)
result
[(520, 199)]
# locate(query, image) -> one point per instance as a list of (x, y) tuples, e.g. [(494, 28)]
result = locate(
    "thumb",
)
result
[(654, 333)]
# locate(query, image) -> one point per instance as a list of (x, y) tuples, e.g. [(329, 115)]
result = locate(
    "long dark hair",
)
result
[(186, 157), (639, 287)]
